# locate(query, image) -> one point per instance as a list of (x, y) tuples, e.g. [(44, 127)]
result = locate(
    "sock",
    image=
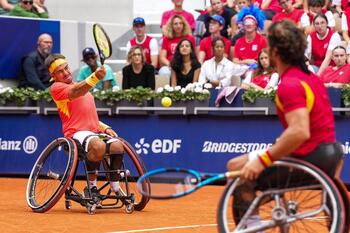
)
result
[(93, 183), (114, 186), (254, 220)]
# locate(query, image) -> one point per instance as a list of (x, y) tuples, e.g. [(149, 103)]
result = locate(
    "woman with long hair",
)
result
[(138, 72), (185, 67)]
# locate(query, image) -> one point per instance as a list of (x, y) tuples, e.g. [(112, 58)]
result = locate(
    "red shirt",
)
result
[(205, 46), (187, 15), (341, 75), (170, 44), (273, 6), (76, 115), (295, 15), (261, 80), (145, 46), (319, 47), (244, 50), (299, 90)]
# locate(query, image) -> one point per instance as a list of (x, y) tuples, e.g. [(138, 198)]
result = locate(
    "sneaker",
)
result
[(94, 192)]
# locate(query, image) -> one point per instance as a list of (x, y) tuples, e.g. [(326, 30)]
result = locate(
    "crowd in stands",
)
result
[(226, 45)]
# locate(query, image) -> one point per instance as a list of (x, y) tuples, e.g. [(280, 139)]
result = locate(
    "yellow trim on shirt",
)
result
[(62, 105), (310, 96), (278, 103)]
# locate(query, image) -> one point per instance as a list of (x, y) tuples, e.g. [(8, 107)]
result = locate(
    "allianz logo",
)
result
[(29, 145), (157, 146), (232, 147)]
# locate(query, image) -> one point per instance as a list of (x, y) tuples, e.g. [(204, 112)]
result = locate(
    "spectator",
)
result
[(264, 76), (149, 44), (237, 28), (321, 42), (6, 6), (175, 30), (219, 70), (288, 12), (315, 8), (248, 47), (33, 72), (91, 65), (205, 47), (41, 3), (185, 67), (338, 75), (178, 10), (219, 9), (138, 72), (345, 22), (27, 8)]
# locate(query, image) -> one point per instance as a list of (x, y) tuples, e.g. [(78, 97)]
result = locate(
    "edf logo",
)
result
[(158, 146)]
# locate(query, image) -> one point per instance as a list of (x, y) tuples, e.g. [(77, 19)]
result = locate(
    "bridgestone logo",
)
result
[(232, 147)]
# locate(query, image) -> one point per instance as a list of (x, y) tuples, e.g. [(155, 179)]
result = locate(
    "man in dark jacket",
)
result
[(34, 73)]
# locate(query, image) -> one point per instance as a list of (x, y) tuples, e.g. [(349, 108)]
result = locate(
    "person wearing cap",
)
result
[(248, 47), (216, 24), (91, 64), (77, 111), (178, 10), (148, 43), (27, 8), (33, 71), (219, 9)]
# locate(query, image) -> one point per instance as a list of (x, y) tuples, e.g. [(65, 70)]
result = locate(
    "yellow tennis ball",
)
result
[(166, 102)]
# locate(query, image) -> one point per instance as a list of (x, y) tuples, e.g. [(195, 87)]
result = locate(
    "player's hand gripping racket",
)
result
[(102, 41), (168, 183)]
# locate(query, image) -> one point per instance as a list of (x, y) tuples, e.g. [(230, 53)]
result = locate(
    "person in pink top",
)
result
[(176, 29), (305, 113), (338, 75), (178, 10), (77, 110)]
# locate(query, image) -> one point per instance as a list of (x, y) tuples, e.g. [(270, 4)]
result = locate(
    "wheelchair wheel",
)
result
[(290, 196), (51, 175), (134, 164)]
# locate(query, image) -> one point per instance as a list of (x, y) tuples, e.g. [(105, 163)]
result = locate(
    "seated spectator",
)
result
[(27, 8), (237, 28), (264, 76), (91, 65), (178, 10), (149, 44), (315, 8), (41, 3), (138, 72), (205, 46), (219, 9), (33, 72), (175, 30), (248, 47), (339, 74), (6, 6), (321, 42), (185, 67), (345, 22), (220, 71), (288, 12), (269, 7)]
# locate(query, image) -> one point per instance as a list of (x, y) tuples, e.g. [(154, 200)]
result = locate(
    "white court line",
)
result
[(166, 228)]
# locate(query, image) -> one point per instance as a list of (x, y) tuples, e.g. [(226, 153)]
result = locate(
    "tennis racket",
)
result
[(102, 41), (168, 183)]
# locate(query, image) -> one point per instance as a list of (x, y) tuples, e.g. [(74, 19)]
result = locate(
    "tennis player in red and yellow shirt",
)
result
[(77, 110)]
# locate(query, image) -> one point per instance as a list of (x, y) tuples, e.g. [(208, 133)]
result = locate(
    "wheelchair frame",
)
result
[(282, 216), (59, 180)]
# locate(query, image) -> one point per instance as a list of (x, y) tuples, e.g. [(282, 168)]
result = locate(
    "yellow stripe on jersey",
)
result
[(310, 96), (278, 103), (62, 106)]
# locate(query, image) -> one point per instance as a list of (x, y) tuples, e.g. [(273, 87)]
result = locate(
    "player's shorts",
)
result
[(84, 137)]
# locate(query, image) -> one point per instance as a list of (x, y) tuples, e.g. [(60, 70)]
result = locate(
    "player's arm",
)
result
[(81, 88)]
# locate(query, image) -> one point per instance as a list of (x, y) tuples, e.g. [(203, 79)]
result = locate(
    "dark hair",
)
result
[(339, 47), (319, 16), (177, 60), (53, 57), (289, 42), (260, 68), (316, 2), (216, 39)]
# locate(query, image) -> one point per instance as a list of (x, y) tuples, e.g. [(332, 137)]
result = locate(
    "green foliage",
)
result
[(193, 91), (138, 95), (43, 95), (345, 92), (252, 94), (16, 95)]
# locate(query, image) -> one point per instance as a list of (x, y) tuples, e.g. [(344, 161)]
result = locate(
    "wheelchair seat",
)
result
[(57, 167)]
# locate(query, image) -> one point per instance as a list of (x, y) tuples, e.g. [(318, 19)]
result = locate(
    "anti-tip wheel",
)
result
[(129, 208)]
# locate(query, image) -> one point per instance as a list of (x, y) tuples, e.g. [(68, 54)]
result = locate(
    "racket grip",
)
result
[(232, 174)]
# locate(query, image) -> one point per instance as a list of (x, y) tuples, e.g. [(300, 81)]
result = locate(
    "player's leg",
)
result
[(115, 150)]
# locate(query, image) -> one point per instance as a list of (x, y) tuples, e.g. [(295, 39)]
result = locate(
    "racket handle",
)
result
[(232, 174), (102, 58)]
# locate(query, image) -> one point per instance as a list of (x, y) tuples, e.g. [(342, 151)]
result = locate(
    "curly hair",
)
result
[(289, 42), (169, 31), (131, 53), (177, 63), (260, 68)]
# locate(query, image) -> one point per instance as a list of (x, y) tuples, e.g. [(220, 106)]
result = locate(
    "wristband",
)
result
[(265, 159), (92, 80), (104, 127)]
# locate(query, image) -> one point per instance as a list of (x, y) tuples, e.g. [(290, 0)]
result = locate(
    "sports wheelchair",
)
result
[(55, 171), (290, 196)]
